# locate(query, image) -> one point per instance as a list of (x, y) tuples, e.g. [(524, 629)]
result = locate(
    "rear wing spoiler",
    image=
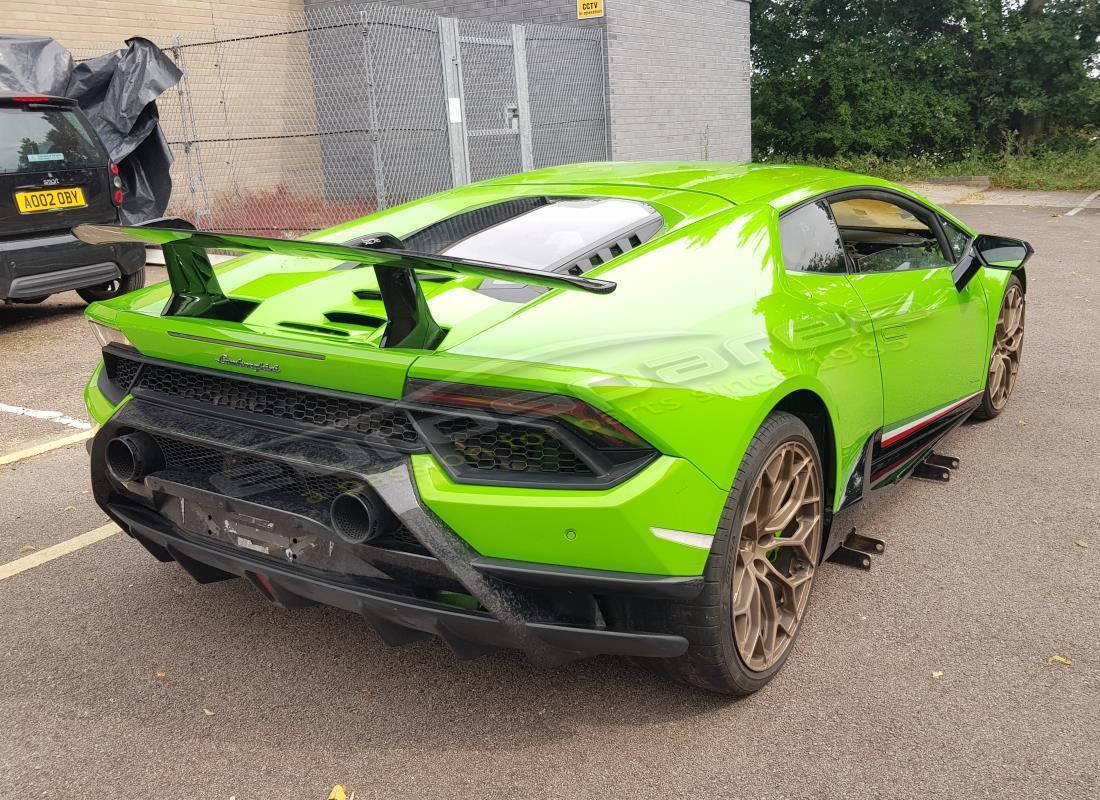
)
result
[(197, 293)]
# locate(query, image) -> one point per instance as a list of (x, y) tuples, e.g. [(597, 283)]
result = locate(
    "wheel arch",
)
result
[(811, 408), (996, 283)]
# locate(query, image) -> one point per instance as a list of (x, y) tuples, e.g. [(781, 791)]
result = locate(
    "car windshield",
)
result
[(558, 232), (38, 140)]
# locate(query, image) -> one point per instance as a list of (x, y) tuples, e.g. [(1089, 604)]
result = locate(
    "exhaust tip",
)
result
[(358, 517), (133, 456)]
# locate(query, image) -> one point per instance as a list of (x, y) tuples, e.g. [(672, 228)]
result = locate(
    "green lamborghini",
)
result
[(619, 409)]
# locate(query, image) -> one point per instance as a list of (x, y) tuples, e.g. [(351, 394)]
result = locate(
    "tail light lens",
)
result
[(508, 436), (117, 195), (106, 335)]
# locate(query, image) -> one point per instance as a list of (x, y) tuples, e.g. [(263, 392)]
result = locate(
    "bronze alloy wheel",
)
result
[(1008, 341), (780, 537), (741, 626)]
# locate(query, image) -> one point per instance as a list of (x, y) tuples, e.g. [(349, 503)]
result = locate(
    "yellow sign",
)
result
[(588, 9)]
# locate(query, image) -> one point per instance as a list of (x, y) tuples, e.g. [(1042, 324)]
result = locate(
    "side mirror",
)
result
[(1002, 252), (995, 252)]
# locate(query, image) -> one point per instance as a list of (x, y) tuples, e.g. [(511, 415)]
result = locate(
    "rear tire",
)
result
[(730, 650), (112, 289), (1008, 348)]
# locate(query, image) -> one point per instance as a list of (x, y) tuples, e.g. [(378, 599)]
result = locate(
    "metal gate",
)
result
[(480, 79), (489, 114), (432, 102)]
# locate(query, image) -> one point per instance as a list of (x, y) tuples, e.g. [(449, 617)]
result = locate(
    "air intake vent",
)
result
[(352, 318), (302, 326), (374, 419), (615, 248)]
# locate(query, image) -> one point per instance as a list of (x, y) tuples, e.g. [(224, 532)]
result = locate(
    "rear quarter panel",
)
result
[(703, 337)]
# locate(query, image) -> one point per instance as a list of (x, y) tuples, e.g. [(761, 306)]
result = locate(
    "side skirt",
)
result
[(897, 453), (888, 458)]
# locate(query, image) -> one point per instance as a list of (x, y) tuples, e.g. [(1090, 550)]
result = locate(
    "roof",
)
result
[(736, 182)]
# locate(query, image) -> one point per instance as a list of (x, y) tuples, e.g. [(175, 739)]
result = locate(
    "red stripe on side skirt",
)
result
[(914, 427)]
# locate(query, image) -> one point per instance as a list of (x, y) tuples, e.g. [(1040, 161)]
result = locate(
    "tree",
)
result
[(896, 79)]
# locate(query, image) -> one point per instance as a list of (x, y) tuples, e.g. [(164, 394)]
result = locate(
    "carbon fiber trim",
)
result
[(524, 618)]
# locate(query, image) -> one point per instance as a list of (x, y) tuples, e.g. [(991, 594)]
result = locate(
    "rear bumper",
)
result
[(397, 618), (552, 613), (57, 262)]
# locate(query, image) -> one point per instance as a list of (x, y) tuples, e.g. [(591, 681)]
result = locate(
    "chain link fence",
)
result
[(350, 109)]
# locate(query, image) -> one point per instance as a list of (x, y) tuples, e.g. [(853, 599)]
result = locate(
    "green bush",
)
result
[(915, 88), (1036, 168)]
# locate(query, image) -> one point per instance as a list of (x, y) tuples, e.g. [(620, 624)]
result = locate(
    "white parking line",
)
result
[(48, 416), (1084, 203), (19, 455), (56, 551)]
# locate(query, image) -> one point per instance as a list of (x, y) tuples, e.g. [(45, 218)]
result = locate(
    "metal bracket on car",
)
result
[(857, 550), (936, 467)]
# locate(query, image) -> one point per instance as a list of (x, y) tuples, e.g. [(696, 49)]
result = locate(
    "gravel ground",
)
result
[(928, 677)]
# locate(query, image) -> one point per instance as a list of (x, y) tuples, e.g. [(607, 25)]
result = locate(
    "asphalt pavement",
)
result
[(929, 677)]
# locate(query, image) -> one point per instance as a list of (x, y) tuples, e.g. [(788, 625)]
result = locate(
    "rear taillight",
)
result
[(482, 434), (601, 430), (30, 99), (116, 183)]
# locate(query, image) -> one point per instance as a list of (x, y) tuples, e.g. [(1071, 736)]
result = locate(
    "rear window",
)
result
[(556, 233), (39, 140), (542, 232)]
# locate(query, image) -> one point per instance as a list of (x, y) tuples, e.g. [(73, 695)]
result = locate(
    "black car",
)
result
[(54, 174)]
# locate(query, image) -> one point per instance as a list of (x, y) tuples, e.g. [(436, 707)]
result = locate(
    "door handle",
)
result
[(893, 333)]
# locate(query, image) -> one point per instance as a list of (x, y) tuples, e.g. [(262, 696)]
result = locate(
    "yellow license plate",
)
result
[(49, 200)]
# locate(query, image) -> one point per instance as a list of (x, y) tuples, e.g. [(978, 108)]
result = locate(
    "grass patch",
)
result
[(1038, 169)]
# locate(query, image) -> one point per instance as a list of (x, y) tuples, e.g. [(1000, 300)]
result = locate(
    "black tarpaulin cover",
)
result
[(117, 92)]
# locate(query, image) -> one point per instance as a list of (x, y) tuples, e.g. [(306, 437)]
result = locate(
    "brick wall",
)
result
[(678, 77), (95, 23)]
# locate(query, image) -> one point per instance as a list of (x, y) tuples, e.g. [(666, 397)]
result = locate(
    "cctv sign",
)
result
[(587, 9)]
